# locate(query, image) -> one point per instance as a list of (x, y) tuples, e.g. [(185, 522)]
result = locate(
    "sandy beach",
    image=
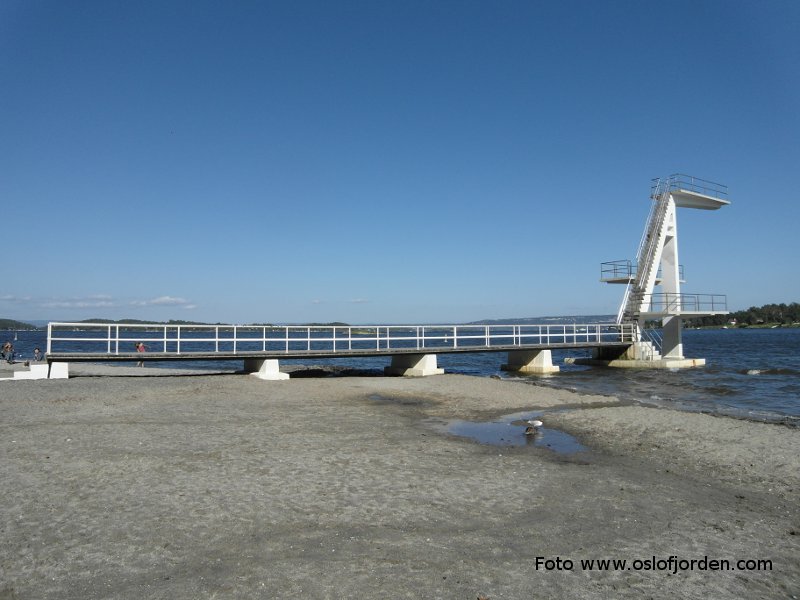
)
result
[(226, 486)]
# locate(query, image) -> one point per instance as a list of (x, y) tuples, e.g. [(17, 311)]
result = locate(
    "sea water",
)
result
[(749, 373)]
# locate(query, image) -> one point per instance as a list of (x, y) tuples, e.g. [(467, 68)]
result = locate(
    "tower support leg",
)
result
[(672, 345)]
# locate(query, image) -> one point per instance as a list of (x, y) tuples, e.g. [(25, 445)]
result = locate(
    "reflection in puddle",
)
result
[(510, 431)]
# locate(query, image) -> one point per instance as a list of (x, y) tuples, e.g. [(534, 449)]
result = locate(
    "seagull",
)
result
[(533, 426)]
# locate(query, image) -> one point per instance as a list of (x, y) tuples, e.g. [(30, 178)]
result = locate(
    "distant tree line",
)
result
[(769, 314), (16, 325)]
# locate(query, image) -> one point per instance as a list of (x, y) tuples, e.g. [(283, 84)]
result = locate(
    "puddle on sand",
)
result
[(510, 431)]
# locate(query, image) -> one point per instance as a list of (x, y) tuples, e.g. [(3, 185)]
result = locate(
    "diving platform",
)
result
[(653, 282), (687, 194)]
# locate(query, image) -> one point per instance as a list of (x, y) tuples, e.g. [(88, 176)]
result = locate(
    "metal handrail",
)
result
[(647, 245), (676, 303), (185, 340), (619, 269), (645, 256), (656, 341), (680, 181)]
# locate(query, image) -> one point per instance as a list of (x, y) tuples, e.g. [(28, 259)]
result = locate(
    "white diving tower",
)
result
[(657, 266)]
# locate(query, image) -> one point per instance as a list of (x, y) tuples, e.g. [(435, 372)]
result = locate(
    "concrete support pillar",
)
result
[(636, 351), (672, 345), (530, 361), (264, 368), (413, 365), (58, 370)]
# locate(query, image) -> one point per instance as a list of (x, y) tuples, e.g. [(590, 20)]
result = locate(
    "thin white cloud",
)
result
[(16, 299), (165, 301), (97, 301), (353, 301), (78, 303)]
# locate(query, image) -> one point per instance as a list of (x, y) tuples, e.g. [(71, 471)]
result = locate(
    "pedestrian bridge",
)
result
[(412, 348)]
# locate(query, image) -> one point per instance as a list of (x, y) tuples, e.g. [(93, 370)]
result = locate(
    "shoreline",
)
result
[(756, 379), (337, 487), (298, 370)]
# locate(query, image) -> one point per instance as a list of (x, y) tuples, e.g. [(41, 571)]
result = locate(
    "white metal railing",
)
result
[(672, 303), (655, 339), (625, 269), (187, 340), (680, 181)]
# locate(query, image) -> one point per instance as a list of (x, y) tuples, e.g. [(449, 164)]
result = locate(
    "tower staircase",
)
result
[(647, 264)]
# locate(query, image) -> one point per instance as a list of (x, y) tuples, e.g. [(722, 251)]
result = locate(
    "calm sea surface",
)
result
[(749, 373)]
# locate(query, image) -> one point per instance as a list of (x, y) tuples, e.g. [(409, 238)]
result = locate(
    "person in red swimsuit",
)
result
[(140, 347)]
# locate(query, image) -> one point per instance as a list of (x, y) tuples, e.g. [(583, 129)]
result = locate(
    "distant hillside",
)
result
[(16, 325), (545, 320), (141, 322)]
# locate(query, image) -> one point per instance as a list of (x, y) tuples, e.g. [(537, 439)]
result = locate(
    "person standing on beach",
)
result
[(8, 352), (140, 347)]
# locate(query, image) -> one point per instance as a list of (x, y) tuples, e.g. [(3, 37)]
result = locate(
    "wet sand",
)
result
[(226, 486)]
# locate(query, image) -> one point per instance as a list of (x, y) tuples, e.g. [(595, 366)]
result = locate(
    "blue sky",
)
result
[(386, 162)]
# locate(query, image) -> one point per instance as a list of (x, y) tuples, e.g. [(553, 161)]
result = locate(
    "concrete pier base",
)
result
[(662, 363), (413, 365), (531, 361), (264, 368), (641, 355), (59, 370)]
